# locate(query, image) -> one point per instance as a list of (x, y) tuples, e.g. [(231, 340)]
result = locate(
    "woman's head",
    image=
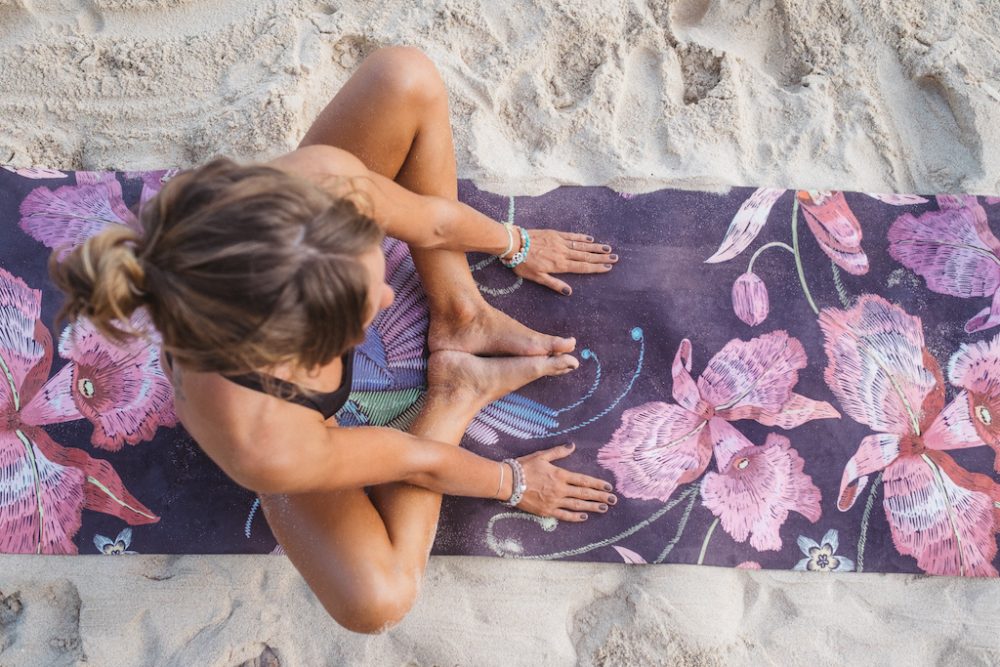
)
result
[(240, 267)]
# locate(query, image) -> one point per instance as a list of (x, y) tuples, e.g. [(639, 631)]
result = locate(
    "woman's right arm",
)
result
[(317, 457)]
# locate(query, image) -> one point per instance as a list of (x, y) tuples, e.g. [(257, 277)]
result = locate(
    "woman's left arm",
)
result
[(431, 222)]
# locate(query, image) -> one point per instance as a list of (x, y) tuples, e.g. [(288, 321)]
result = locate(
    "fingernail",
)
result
[(590, 239), (607, 266), (614, 258), (570, 446), (607, 487), (612, 500), (565, 291), (583, 516), (606, 248), (604, 508)]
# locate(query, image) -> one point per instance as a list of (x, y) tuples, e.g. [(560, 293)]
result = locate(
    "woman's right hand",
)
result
[(564, 495)]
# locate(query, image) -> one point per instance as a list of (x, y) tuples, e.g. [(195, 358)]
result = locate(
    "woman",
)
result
[(261, 279)]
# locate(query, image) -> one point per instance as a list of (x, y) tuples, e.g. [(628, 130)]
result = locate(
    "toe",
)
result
[(561, 345)]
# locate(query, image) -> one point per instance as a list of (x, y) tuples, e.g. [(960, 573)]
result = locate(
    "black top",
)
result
[(326, 404)]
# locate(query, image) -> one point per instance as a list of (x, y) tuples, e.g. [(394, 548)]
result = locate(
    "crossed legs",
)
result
[(364, 555)]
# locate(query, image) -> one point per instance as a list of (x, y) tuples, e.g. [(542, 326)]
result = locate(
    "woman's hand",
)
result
[(563, 252), (552, 491)]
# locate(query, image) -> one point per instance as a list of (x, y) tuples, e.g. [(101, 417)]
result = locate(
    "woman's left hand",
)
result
[(563, 252)]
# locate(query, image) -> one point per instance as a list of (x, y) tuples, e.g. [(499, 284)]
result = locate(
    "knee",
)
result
[(409, 74), (378, 609)]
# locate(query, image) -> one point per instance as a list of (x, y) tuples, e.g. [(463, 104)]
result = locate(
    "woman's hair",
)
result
[(240, 268)]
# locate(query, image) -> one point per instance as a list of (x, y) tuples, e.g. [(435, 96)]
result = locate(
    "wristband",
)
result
[(521, 255), (519, 485), (500, 485), (510, 239)]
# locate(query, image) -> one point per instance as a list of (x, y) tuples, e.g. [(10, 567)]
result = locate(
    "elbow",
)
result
[(271, 475)]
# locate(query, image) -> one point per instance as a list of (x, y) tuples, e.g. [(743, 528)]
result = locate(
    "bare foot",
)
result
[(467, 381), (482, 329)]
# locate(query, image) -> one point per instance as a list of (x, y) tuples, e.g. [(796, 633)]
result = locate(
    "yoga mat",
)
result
[(771, 379)]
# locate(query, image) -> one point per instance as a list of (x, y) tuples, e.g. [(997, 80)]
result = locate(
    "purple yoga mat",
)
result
[(777, 379)]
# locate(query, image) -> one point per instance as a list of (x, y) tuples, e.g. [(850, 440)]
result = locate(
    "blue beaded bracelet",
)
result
[(521, 255)]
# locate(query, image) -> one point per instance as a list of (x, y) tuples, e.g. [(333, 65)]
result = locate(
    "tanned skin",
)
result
[(357, 509)]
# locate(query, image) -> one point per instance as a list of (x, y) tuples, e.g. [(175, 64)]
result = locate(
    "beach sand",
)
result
[(872, 95)]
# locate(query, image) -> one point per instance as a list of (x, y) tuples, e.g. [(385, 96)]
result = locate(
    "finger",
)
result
[(571, 236), (553, 283), (592, 258), (585, 267), (576, 479), (584, 505), (559, 451), (566, 515), (586, 493), (599, 248)]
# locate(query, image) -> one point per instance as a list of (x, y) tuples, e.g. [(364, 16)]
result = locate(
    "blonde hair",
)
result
[(240, 268)]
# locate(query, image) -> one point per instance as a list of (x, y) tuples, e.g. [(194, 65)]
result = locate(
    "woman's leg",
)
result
[(393, 115), (365, 558)]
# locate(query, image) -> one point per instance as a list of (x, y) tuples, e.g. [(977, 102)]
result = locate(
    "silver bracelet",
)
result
[(519, 486), (500, 485), (510, 239)]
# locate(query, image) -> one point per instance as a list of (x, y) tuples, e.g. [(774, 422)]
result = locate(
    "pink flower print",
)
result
[(35, 173), (975, 368), (756, 487), (837, 230), (884, 377), (119, 387), (955, 251), (64, 218), (748, 565), (750, 299), (45, 486), (831, 220), (659, 446), (629, 556)]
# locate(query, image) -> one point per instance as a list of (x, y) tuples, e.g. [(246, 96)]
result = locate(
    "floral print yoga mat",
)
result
[(779, 379)]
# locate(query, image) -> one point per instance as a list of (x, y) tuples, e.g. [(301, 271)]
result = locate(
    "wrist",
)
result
[(516, 246)]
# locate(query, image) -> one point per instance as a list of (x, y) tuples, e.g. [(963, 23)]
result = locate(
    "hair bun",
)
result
[(103, 279)]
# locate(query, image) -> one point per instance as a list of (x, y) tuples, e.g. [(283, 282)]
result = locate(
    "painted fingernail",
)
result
[(607, 487), (570, 446), (565, 291), (606, 248), (612, 500), (614, 258), (583, 516), (607, 266), (590, 239), (604, 508)]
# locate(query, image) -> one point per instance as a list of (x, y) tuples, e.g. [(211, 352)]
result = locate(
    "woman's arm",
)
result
[(436, 222), (421, 221)]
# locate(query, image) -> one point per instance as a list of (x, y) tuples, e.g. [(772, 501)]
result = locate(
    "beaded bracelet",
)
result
[(522, 254), (519, 486)]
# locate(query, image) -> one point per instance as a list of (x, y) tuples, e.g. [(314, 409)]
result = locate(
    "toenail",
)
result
[(565, 290), (604, 508), (614, 258)]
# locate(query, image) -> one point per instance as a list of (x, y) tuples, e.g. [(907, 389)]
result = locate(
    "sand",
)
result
[(876, 95)]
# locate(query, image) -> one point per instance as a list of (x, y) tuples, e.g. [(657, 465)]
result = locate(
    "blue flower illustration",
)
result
[(820, 557), (117, 546)]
